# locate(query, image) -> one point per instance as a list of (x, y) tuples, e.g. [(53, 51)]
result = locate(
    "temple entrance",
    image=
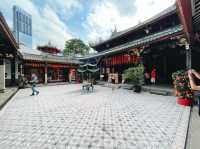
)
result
[(39, 71), (56, 75), (166, 61)]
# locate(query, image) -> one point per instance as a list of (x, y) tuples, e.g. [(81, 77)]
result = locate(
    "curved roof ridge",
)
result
[(167, 11)]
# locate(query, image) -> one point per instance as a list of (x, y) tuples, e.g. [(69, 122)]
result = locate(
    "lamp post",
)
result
[(188, 56)]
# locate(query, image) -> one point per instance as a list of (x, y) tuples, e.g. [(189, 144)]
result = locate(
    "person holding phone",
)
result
[(191, 74)]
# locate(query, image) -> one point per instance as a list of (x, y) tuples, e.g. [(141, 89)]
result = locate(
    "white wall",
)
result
[(2, 77), (8, 69)]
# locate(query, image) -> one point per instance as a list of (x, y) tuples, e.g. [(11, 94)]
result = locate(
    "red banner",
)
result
[(121, 60)]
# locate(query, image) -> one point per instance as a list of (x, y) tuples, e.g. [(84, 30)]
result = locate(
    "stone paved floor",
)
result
[(4, 97), (62, 117), (193, 134)]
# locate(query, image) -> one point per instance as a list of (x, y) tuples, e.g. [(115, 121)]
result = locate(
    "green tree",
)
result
[(75, 46)]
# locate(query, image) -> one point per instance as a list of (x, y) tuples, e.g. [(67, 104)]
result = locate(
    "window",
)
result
[(20, 26), (31, 29), (29, 26), (26, 25), (20, 16), (23, 27)]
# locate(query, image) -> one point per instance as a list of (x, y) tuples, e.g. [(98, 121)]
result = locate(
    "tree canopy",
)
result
[(75, 47)]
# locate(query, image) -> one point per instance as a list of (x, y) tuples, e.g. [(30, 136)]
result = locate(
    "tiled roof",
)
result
[(36, 55), (6, 32), (138, 42), (153, 19), (196, 12)]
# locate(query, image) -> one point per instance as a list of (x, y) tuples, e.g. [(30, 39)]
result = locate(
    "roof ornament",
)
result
[(113, 32), (147, 30), (182, 41), (49, 43)]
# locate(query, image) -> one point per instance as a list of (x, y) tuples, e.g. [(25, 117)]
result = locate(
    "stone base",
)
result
[(184, 102)]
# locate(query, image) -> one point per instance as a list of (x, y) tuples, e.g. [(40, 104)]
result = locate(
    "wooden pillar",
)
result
[(13, 72), (188, 56), (165, 68), (2, 75), (65, 74)]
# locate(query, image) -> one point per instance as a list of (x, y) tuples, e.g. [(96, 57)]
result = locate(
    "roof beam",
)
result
[(196, 16), (185, 15), (5, 30), (197, 2), (196, 19), (197, 10)]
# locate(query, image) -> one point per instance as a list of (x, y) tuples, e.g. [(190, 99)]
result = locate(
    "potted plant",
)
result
[(135, 76), (182, 87)]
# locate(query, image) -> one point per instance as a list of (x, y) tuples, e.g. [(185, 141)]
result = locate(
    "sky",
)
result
[(89, 20)]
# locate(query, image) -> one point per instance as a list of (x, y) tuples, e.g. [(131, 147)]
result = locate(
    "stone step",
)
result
[(159, 90), (127, 86)]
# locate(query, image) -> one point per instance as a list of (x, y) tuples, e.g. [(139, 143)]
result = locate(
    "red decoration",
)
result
[(57, 66), (184, 102), (49, 49), (33, 65), (121, 59)]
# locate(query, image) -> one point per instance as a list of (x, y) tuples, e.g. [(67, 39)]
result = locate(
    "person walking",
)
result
[(191, 74), (153, 76), (33, 82)]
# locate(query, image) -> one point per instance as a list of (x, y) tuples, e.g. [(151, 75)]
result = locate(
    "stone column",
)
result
[(45, 74), (2, 75), (21, 69)]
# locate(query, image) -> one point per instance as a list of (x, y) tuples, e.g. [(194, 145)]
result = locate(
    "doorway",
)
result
[(166, 61)]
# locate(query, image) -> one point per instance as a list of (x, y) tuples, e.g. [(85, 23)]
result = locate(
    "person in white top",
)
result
[(34, 80)]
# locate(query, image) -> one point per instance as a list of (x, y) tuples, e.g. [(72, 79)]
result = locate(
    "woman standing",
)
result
[(153, 76)]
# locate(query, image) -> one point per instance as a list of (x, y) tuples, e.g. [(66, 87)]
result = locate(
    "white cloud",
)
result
[(66, 8), (149, 8), (47, 26), (103, 16), (106, 14), (65, 4), (52, 29)]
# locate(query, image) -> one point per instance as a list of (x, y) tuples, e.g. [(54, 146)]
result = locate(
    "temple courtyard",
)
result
[(64, 117)]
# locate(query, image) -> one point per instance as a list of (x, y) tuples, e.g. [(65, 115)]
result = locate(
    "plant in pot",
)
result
[(135, 76), (182, 87)]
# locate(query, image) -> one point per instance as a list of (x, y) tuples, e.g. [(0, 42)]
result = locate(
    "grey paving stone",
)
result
[(65, 117)]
